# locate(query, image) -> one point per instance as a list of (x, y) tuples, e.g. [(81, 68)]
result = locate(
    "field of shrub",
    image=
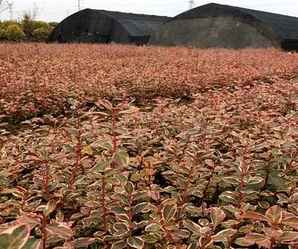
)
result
[(146, 147)]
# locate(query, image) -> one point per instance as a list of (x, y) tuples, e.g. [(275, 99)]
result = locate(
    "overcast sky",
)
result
[(57, 10)]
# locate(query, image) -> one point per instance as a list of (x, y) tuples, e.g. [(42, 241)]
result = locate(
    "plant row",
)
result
[(220, 172), (38, 79)]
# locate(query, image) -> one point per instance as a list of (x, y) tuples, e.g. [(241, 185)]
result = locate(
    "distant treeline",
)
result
[(26, 29)]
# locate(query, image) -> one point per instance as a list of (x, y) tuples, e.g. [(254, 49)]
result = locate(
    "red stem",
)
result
[(208, 183), (169, 236), (149, 176), (103, 202), (78, 151), (114, 135), (241, 195), (44, 231), (244, 172), (46, 178), (185, 189), (130, 214)]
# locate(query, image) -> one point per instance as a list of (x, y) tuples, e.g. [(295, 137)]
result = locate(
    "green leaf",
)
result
[(204, 222), (246, 228), (120, 229), (229, 197), (154, 227), (170, 190), (104, 103), (264, 204), (255, 180), (259, 239), (255, 237), (122, 198), (224, 235), (250, 196), (118, 210), (287, 237), (217, 216), (121, 158), (83, 242), (169, 211), (87, 150), (275, 214), (136, 177), (152, 238), (251, 215), (119, 244), (294, 198), (244, 242), (192, 227), (32, 243), (50, 207), (143, 207), (193, 245), (193, 211), (123, 218), (101, 166), (291, 222), (180, 234), (60, 230), (30, 220), (129, 187), (232, 180), (135, 242), (276, 183), (230, 223), (105, 145), (282, 198), (14, 237)]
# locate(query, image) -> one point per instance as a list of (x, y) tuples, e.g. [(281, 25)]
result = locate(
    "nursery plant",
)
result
[(92, 156)]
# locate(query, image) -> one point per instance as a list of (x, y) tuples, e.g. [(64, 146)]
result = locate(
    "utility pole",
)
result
[(79, 5), (191, 4), (10, 8), (6, 5), (2, 7)]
